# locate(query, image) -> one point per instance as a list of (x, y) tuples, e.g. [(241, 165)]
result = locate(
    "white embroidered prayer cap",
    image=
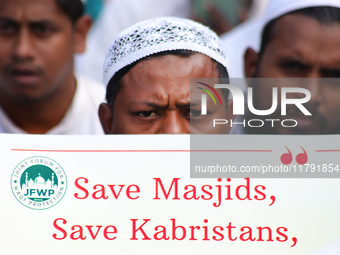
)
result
[(278, 8), (161, 34)]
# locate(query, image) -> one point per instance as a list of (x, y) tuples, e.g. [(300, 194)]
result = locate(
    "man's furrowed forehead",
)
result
[(289, 25), (297, 29), (30, 10), (178, 68), (170, 76)]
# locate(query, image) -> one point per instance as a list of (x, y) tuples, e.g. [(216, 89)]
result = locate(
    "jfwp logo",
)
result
[(38, 183)]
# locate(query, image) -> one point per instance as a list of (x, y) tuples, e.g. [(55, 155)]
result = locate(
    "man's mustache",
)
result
[(318, 119), (25, 66)]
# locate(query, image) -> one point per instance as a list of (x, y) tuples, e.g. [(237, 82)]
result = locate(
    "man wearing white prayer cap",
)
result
[(301, 39), (147, 72)]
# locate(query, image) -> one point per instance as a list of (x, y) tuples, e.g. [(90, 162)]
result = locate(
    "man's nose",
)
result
[(314, 86), (23, 47), (315, 89), (174, 123)]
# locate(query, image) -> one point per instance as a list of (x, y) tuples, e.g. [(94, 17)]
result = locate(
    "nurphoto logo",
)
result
[(204, 97), (38, 183)]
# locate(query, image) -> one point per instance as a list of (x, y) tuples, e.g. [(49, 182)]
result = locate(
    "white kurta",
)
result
[(80, 119)]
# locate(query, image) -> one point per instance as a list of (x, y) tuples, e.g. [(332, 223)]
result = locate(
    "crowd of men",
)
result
[(148, 68)]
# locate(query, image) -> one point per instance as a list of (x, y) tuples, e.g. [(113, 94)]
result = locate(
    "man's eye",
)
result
[(7, 28), (331, 74), (147, 114), (42, 30), (194, 113)]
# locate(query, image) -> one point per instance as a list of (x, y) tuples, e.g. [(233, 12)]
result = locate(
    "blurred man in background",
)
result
[(301, 39), (39, 93)]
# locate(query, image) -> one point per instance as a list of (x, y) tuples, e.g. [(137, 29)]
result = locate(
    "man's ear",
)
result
[(230, 115), (250, 62), (105, 116), (81, 29)]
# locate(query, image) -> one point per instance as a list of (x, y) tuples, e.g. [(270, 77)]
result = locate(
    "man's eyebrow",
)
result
[(295, 61), (193, 104), (291, 59), (41, 22), (152, 104), (328, 71), (164, 106), (31, 23), (4, 19), (186, 105), (38, 21)]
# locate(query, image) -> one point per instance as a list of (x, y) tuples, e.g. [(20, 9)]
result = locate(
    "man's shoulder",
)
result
[(93, 89), (82, 115), (90, 85)]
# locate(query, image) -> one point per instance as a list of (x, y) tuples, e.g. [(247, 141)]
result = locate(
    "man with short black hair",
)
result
[(147, 72), (301, 39), (39, 93)]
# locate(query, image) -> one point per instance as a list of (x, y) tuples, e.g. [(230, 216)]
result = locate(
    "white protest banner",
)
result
[(132, 194)]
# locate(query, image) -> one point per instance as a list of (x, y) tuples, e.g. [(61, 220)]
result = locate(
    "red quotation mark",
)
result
[(301, 158)]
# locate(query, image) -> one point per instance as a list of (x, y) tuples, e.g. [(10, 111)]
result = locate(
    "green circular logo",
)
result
[(38, 183)]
